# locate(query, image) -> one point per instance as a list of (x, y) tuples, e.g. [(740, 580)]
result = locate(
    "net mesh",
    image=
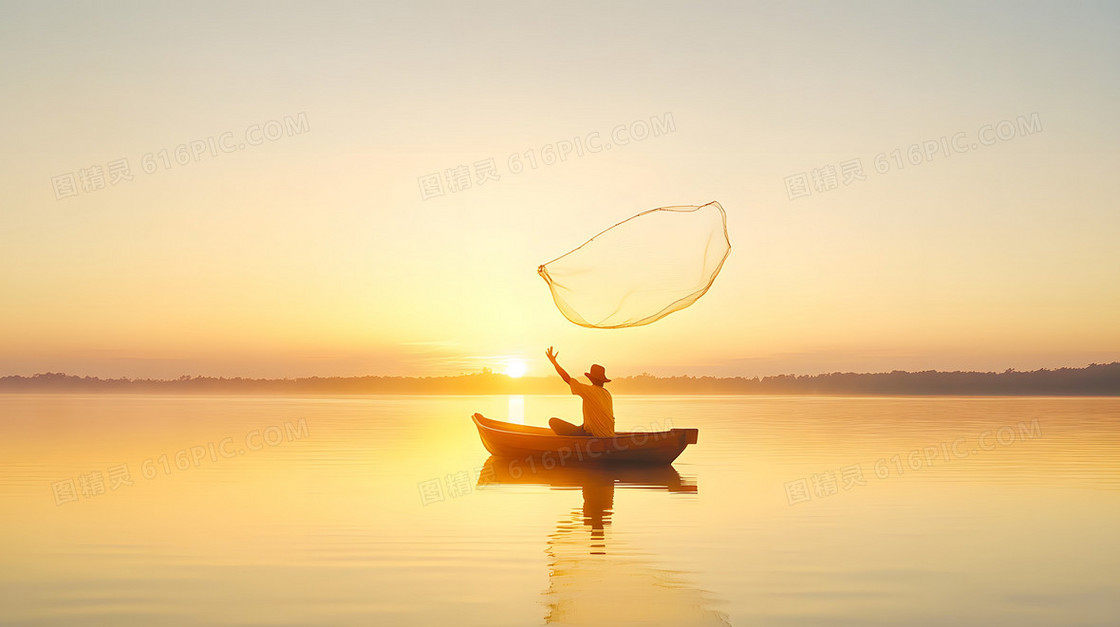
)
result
[(641, 269)]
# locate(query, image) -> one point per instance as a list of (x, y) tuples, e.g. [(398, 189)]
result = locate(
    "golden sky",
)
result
[(275, 218)]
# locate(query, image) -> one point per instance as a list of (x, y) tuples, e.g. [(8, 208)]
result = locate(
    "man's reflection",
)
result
[(594, 577)]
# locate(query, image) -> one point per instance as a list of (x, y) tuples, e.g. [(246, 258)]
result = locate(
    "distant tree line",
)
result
[(1094, 380)]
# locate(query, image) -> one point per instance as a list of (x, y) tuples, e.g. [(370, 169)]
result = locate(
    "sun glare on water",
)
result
[(516, 368)]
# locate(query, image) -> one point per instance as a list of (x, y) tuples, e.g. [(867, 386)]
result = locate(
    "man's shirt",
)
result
[(598, 408)]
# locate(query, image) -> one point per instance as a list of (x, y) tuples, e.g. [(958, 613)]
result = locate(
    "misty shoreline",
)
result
[(1092, 380)]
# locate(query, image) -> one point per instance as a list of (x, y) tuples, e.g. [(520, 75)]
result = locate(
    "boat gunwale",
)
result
[(545, 432)]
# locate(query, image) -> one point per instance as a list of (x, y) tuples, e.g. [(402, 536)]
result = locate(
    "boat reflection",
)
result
[(598, 577)]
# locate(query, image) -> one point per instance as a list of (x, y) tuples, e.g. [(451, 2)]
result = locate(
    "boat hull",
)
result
[(508, 440)]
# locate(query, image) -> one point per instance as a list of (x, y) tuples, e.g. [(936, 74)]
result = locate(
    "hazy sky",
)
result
[(291, 234)]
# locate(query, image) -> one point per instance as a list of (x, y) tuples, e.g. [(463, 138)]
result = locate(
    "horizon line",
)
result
[(486, 371)]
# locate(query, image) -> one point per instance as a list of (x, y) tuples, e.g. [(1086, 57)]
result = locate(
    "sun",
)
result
[(516, 368)]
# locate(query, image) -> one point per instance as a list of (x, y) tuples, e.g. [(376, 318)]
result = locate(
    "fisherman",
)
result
[(598, 409)]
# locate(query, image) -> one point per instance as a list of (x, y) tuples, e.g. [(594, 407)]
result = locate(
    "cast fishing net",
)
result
[(641, 269)]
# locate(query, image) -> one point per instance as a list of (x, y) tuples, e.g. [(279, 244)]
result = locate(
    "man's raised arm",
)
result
[(551, 354)]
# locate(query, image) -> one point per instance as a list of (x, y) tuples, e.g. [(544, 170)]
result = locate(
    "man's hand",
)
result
[(552, 355)]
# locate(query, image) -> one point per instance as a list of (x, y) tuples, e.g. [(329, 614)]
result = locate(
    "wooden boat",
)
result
[(541, 445)]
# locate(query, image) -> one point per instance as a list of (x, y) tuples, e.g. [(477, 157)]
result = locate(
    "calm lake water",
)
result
[(129, 509)]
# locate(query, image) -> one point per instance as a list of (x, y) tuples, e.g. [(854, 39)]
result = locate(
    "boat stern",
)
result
[(690, 435)]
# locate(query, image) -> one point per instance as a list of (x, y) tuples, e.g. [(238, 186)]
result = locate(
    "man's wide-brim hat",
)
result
[(598, 373)]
